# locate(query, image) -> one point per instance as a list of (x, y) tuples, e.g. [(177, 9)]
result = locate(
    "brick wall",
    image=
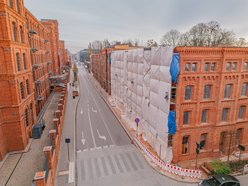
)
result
[(217, 77)]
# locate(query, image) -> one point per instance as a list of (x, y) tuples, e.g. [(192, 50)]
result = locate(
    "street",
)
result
[(105, 155)]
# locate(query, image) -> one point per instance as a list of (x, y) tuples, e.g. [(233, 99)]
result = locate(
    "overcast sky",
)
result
[(83, 21)]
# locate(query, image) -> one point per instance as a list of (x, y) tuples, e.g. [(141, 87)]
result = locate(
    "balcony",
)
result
[(31, 32), (33, 50), (47, 52), (35, 66), (46, 41), (38, 82), (49, 62), (40, 98)]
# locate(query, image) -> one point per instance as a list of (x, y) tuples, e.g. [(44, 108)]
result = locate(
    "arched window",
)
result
[(11, 3), (18, 7), (18, 62), (21, 34), (14, 31), (26, 117)]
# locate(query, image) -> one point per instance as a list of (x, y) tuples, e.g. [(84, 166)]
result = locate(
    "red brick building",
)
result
[(52, 25), (101, 63), (28, 54), (62, 53), (17, 103), (40, 50), (211, 102)]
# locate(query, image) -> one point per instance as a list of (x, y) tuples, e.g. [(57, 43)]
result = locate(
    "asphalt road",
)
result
[(105, 155)]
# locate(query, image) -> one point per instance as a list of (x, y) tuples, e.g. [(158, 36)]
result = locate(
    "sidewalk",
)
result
[(19, 168), (133, 135), (63, 174)]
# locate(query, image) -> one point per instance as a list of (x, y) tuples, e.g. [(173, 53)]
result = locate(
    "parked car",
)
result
[(220, 180)]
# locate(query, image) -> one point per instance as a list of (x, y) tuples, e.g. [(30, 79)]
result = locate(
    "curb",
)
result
[(133, 141)]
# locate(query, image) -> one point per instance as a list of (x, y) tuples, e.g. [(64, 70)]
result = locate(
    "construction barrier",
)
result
[(168, 167)]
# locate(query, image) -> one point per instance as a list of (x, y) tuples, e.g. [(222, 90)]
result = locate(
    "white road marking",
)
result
[(105, 146), (85, 150), (100, 113), (62, 173), (83, 139), (111, 145), (92, 149), (93, 110), (71, 172), (81, 112), (78, 151), (98, 148), (91, 130), (101, 137)]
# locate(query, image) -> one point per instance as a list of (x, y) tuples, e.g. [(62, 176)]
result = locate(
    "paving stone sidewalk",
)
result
[(19, 169)]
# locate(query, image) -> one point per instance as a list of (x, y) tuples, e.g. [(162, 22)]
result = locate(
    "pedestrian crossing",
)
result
[(108, 162)]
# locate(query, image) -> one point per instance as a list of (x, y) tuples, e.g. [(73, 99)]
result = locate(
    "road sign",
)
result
[(67, 140)]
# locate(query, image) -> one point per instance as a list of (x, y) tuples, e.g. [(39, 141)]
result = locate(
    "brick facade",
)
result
[(26, 51), (217, 68), (40, 51), (52, 25)]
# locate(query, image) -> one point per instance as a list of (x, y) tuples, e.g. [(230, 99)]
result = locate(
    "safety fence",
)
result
[(168, 167)]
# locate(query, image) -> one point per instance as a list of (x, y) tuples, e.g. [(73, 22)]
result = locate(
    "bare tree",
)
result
[(105, 43), (202, 34), (241, 42), (171, 38), (151, 43)]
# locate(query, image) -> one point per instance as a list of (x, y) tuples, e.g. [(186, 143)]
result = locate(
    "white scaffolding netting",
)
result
[(140, 81)]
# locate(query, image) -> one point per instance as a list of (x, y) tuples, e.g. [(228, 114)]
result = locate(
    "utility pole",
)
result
[(229, 146)]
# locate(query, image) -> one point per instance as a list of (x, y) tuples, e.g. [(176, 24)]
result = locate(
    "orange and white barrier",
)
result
[(168, 167)]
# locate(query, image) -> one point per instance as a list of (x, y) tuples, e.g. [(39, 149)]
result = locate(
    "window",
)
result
[(18, 62), (244, 89), (11, 3), (234, 66), (24, 61), (207, 91), (26, 117), (14, 31), (27, 87), (203, 140), (204, 116), (245, 66), (186, 116), (18, 7), (225, 113), (212, 67), (187, 67), (227, 93), (21, 34), (228, 66), (206, 67), (170, 140), (242, 112), (193, 67), (188, 92), (185, 147), (22, 90)]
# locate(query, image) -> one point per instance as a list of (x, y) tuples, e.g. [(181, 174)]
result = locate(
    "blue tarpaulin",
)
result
[(172, 122), (175, 68)]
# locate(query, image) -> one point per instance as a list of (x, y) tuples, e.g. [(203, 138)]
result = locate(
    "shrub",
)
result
[(220, 167)]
